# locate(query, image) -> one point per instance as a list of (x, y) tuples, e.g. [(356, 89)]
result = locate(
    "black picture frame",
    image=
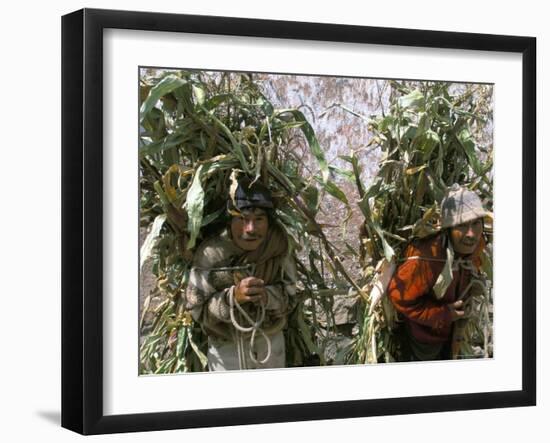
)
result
[(82, 219)]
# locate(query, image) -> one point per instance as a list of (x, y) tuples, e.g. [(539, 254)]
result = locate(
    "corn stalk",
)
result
[(196, 130), (435, 134)]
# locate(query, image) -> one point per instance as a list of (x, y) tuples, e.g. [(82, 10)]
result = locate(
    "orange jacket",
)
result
[(410, 289)]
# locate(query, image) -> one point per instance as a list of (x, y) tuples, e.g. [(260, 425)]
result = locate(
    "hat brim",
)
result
[(487, 217)]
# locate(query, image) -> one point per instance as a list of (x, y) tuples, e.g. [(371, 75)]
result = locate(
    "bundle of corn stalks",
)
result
[(198, 131), (433, 135)]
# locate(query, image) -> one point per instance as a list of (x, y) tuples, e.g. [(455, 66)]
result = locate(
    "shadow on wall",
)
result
[(54, 417)]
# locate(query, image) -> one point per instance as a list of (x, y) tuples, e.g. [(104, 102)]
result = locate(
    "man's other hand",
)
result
[(457, 310)]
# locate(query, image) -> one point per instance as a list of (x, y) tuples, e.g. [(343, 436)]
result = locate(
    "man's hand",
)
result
[(457, 310), (250, 289)]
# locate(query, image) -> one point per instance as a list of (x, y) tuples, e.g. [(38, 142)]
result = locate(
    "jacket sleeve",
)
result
[(279, 295), (203, 301), (409, 290)]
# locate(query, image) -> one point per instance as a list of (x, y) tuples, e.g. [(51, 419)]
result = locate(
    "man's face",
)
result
[(250, 228), (465, 237)]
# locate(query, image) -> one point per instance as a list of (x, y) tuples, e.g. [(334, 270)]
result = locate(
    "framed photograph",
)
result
[(269, 221)]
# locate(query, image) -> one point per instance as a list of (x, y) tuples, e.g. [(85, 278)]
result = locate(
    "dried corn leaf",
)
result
[(151, 239)]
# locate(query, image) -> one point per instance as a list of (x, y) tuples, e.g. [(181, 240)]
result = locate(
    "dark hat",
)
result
[(250, 195)]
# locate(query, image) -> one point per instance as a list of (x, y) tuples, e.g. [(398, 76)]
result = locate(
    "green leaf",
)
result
[(334, 190), (428, 141), (424, 122), (165, 86), (468, 144), (236, 147), (180, 348), (413, 100), (306, 335), (445, 278), (411, 133), (347, 158), (281, 178), (469, 114), (386, 123), (217, 100), (487, 264), (219, 163), (163, 197), (314, 273), (388, 250), (348, 175), (169, 142), (212, 216), (365, 207), (311, 197), (194, 206), (165, 365), (265, 105), (199, 94), (311, 139), (203, 359)]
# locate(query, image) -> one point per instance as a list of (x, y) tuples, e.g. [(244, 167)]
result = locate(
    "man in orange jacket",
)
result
[(429, 288)]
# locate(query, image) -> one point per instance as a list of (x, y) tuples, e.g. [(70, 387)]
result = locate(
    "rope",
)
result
[(254, 326), (240, 330)]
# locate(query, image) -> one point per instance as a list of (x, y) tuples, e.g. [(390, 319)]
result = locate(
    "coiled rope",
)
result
[(254, 328), (254, 325)]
